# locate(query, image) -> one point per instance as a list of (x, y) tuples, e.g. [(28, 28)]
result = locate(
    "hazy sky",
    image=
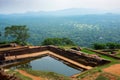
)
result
[(21, 6)]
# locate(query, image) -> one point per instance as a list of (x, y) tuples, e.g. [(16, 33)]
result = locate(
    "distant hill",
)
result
[(83, 26), (66, 12)]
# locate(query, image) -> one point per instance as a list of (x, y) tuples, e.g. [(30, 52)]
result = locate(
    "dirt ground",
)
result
[(30, 76), (91, 77), (114, 69)]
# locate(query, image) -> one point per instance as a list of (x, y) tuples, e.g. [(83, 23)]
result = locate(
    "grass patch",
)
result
[(88, 72), (95, 70), (48, 75), (22, 76), (67, 47), (17, 74), (102, 56), (107, 76), (118, 53), (87, 51), (100, 77), (107, 57)]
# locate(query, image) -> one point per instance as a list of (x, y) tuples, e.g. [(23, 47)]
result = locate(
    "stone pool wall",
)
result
[(74, 55)]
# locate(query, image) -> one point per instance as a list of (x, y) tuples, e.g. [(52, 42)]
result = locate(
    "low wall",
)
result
[(71, 54), (78, 56), (104, 53), (5, 45)]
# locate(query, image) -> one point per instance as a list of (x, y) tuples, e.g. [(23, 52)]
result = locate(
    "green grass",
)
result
[(88, 72), (107, 57), (107, 76), (102, 56), (48, 75), (103, 75), (100, 77), (22, 77), (87, 51), (118, 53), (66, 47), (98, 68)]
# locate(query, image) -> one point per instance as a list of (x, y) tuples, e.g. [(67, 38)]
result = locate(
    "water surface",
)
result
[(50, 64)]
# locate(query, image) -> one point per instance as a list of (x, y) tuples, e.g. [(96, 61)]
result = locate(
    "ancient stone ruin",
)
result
[(77, 56), (74, 55), (5, 76)]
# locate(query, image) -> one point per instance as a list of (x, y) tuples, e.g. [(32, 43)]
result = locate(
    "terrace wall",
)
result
[(71, 54), (103, 53)]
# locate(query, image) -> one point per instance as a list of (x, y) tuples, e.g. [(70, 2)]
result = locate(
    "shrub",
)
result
[(101, 78), (99, 46), (58, 41)]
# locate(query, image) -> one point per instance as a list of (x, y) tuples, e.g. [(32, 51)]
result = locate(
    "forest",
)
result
[(83, 30)]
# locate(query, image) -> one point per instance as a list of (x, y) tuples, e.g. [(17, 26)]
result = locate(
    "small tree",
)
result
[(67, 41), (57, 41), (118, 46), (19, 33), (112, 45), (0, 36), (99, 46)]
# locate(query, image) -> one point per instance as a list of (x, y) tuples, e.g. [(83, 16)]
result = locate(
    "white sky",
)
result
[(21, 6)]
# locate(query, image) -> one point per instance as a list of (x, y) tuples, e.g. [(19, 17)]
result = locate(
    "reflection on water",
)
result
[(50, 64)]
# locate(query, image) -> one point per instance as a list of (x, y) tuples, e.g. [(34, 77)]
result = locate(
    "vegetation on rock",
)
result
[(109, 45), (58, 41)]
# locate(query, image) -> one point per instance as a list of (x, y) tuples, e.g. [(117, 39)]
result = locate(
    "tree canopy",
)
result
[(0, 36), (57, 41), (110, 45), (18, 33), (99, 46)]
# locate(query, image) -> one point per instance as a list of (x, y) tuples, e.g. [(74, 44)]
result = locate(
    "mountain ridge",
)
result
[(65, 12)]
